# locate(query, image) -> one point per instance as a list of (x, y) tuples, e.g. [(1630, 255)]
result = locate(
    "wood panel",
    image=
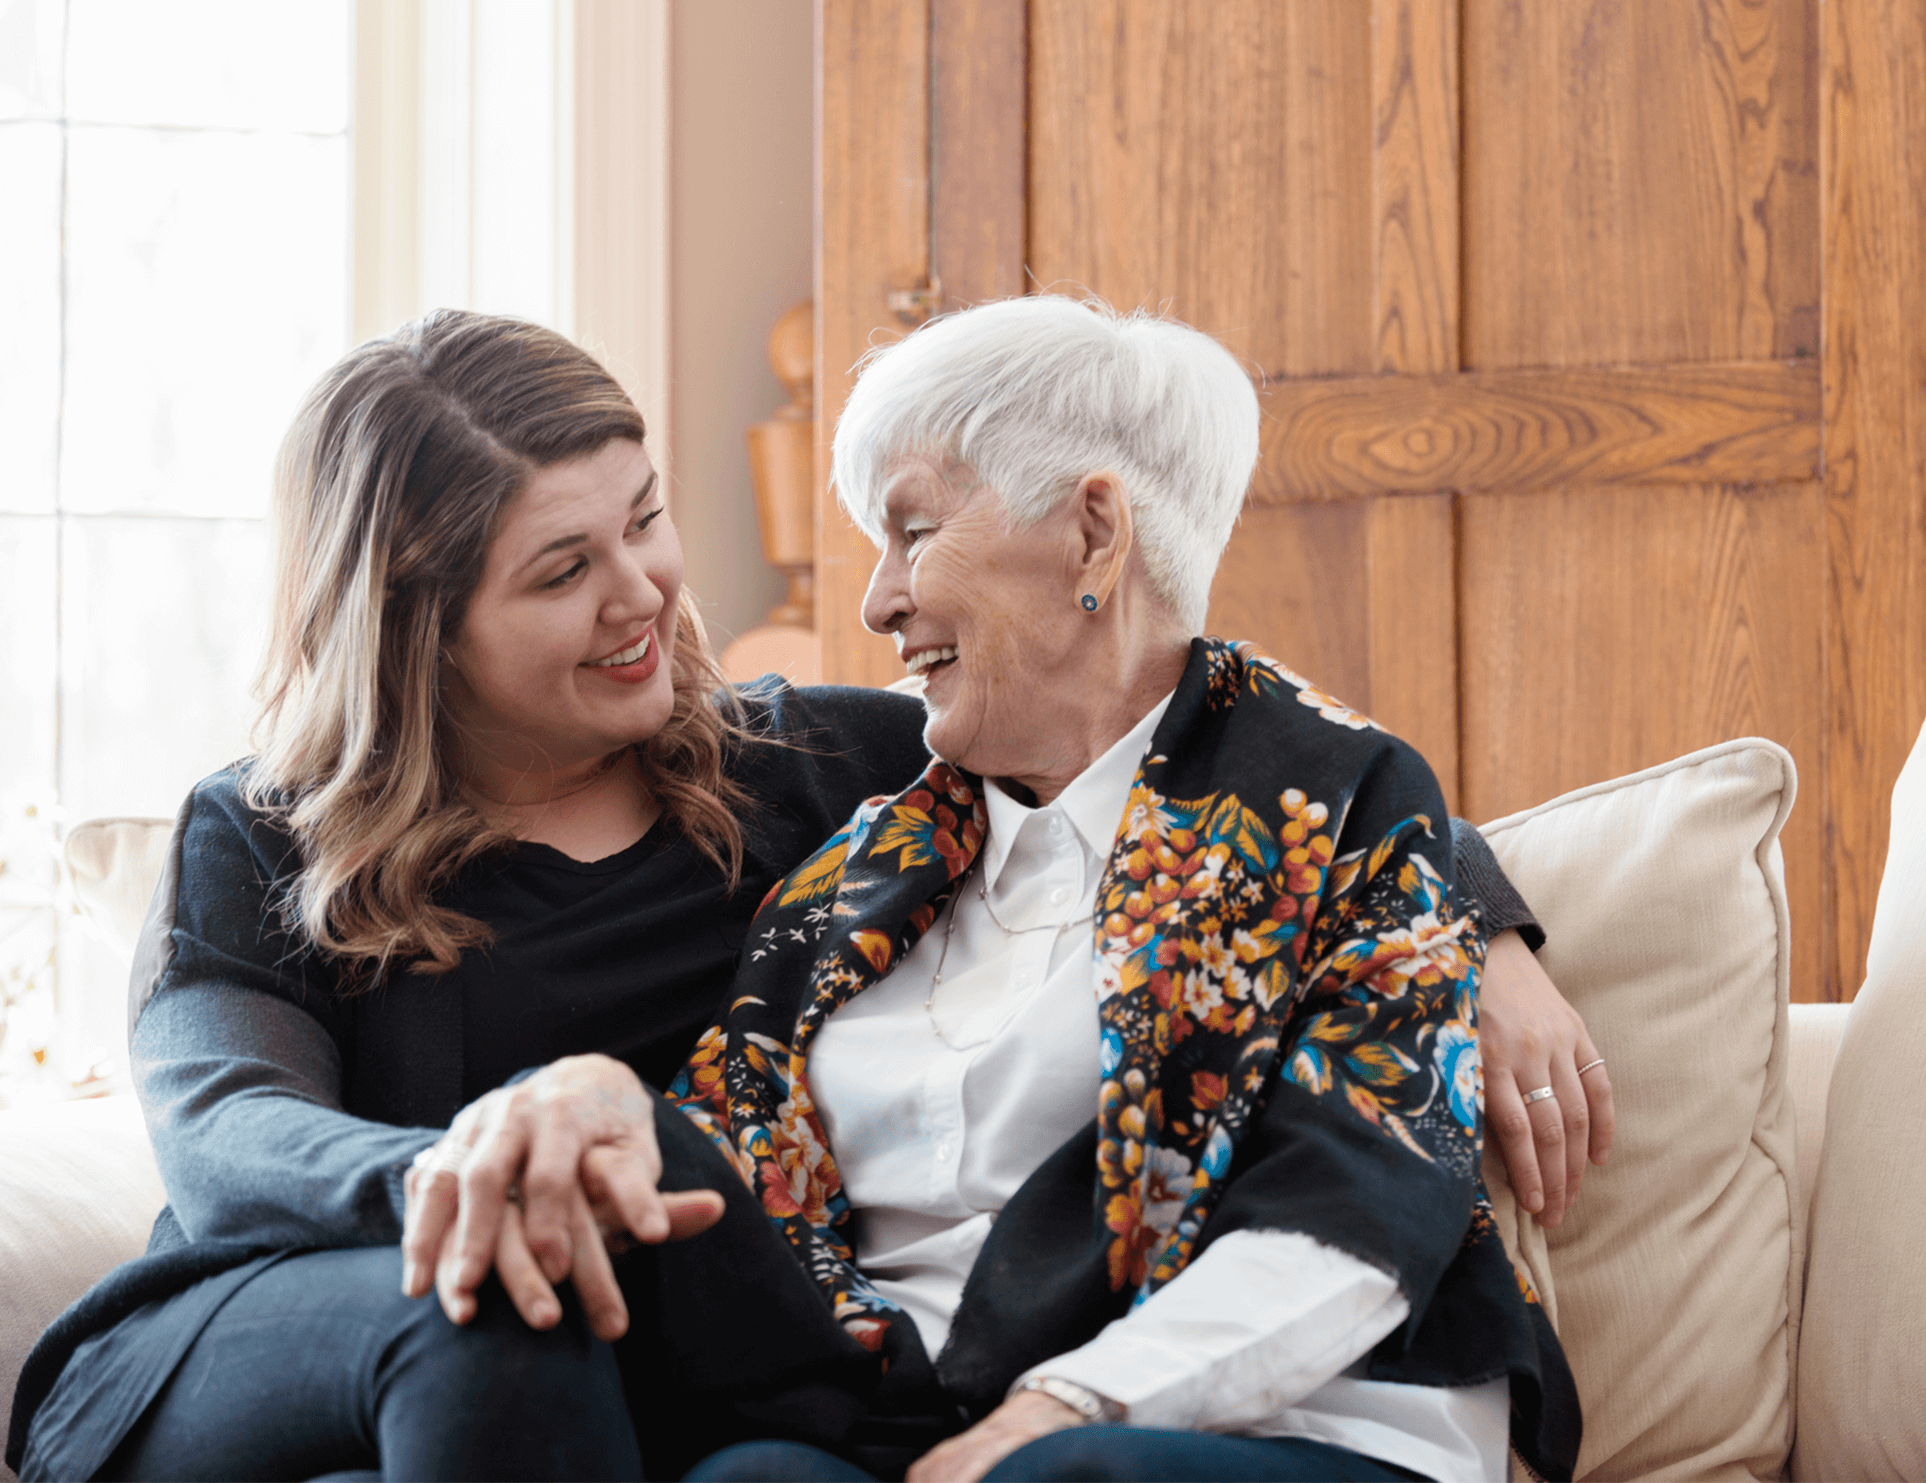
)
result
[(1413, 625), (1414, 182), (1294, 582), (1409, 615), (979, 139), (1606, 631), (1745, 422), (1207, 157), (1359, 598), (1875, 358), (873, 217), (1640, 181)]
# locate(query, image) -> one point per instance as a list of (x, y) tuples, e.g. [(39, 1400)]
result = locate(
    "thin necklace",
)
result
[(949, 931)]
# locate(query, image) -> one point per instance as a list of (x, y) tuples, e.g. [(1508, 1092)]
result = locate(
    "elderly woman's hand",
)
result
[(1528, 1038), (969, 1455), (537, 1181)]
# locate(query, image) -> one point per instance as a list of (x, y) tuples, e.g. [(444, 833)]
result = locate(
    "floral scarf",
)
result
[(1286, 995)]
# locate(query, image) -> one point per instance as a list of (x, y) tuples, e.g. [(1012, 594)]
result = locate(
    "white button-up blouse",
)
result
[(941, 1096)]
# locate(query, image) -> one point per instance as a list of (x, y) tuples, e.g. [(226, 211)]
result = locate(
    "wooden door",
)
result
[(1589, 337)]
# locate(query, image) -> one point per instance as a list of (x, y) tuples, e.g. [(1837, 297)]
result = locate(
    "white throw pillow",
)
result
[(113, 864), (79, 1190), (1862, 1364), (1674, 1283)]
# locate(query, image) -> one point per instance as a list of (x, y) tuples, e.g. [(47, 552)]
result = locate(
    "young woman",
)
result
[(503, 815)]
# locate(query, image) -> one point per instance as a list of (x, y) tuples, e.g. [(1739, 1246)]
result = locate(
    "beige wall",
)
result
[(741, 220)]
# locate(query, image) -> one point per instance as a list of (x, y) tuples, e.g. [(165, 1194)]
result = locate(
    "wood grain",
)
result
[(1292, 581), (979, 137), (1414, 178), (1640, 182), (1209, 157), (1411, 626), (1875, 245), (1351, 438), (1608, 630), (1410, 613), (873, 218), (1359, 598)]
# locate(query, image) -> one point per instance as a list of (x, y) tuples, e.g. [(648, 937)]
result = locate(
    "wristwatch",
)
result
[(1093, 1408)]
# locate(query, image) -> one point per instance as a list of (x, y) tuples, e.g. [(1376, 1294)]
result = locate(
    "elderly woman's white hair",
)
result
[(1031, 394)]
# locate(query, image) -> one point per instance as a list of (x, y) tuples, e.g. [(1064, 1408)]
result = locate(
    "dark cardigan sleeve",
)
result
[(1483, 880), (238, 1054)]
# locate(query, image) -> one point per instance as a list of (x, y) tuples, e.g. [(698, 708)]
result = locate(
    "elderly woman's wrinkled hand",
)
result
[(539, 1181), (1529, 1038), (969, 1455)]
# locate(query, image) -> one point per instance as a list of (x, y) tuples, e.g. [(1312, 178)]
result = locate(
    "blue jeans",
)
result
[(317, 1366), (1086, 1452), (320, 1366)]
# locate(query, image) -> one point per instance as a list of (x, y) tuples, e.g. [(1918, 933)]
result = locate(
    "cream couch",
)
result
[(1743, 1274)]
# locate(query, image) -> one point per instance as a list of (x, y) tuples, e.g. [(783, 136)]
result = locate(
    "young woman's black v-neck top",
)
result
[(630, 955)]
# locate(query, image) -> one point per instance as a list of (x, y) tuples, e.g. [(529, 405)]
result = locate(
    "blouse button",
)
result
[(1059, 896)]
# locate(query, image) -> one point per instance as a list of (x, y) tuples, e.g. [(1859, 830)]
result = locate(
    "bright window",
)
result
[(173, 276)]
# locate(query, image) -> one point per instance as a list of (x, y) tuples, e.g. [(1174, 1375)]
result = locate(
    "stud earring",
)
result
[(1089, 601)]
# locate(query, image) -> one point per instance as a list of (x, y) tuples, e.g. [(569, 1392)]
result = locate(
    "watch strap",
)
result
[(1092, 1407)]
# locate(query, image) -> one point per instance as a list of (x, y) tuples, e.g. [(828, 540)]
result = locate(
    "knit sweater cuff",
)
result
[(1483, 881)]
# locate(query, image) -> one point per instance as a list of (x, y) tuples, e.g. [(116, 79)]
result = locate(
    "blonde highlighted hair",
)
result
[(390, 485)]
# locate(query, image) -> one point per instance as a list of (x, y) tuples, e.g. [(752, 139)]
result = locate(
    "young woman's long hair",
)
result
[(390, 486)]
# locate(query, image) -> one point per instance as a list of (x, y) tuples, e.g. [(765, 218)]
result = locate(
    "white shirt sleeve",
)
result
[(1249, 1329)]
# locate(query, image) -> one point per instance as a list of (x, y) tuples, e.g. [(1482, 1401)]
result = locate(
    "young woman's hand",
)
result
[(536, 1181), (1528, 1038)]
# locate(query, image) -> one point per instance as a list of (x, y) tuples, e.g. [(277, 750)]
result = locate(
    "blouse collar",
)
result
[(1093, 802)]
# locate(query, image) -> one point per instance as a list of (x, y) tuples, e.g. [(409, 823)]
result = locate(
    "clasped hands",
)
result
[(543, 1179), (540, 1181)]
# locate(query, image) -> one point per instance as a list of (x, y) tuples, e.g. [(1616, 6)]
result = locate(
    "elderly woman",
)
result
[(1125, 1063), (501, 818)]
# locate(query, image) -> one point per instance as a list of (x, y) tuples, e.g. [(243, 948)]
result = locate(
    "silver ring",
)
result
[(1589, 1064), (1539, 1095)]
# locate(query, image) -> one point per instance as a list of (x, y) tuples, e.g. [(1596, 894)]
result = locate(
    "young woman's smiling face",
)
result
[(566, 651)]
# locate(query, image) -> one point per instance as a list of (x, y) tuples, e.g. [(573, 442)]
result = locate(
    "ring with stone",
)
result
[(1539, 1095)]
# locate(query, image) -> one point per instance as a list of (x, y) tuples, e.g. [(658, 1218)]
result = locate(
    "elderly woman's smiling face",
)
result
[(983, 611), (1021, 680)]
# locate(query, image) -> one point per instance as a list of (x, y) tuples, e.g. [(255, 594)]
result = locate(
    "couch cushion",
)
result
[(1816, 1032), (78, 1192), (1675, 1279), (1862, 1367), (113, 864)]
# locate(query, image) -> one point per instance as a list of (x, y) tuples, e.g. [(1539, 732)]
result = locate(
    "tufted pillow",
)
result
[(1862, 1371), (1675, 1279), (113, 864)]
